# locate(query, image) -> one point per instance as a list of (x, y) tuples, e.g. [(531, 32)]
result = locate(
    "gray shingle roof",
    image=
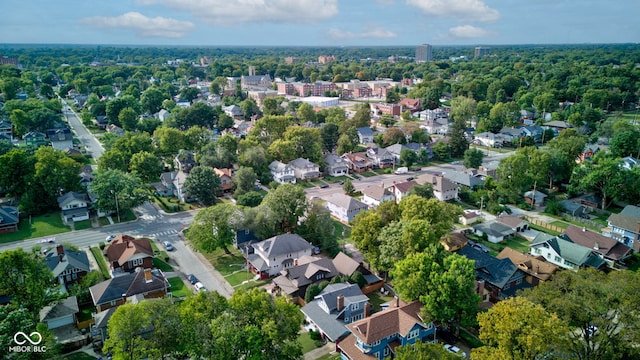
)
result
[(346, 202), (627, 219), (493, 270), (70, 260), (65, 307)]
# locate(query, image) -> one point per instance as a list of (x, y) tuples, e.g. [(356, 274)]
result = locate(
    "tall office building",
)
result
[(423, 53), (481, 51)]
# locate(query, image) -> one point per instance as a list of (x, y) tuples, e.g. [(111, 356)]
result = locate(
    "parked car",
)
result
[(324, 186), (192, 279), (410, 178), (199, 287), (49, 240), (168, 246), (455, 350), (480, 247), (111, 237), (316, 250)]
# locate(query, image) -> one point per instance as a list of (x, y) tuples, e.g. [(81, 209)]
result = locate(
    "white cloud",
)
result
[(230, 12), (142, 25), (475, 10), (372, 32), (468, 31)]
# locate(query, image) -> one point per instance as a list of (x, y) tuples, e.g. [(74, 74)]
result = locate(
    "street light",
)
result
[(115, 195)]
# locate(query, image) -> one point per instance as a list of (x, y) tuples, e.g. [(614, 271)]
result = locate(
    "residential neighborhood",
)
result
[(336, 206)]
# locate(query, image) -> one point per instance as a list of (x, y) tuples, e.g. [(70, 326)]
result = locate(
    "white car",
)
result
[(455, 350), (199, 287)]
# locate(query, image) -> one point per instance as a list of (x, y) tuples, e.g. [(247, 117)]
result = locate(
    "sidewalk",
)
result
[(319, 352)]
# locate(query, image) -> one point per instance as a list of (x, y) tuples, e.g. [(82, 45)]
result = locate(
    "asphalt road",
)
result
[(92, 144)]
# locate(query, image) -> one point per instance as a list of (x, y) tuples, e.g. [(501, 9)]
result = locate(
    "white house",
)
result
[(335, 165), (74, 206), (304, 169), (282, 173), (345, 208), (365, 135), (374, 195), (443, 188), (275, 254)]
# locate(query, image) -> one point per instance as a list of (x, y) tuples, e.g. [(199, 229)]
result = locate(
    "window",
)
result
[(136, 262), (557, 259), (377, 342), (538, 251), (386, 351), (355, 306), (413, 334), (319, 276)]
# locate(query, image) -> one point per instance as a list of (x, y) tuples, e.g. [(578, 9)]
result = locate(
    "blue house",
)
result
[(337, 305), (377, 336), (625, 227)]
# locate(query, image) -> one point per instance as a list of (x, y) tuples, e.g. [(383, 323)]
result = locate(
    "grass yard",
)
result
[(334, 179), (306, 185), (544, 230), (560, 224), (178, 287), (160, 264), (376, 299), (307, 343), (226, 263), (97, 254), (103, 221), (329, 357), (85, 313), (43, 225), (80, 355), (252, 284), (237, 278), (517, 243), (82, 225), (368, 174), (316, 182), (383, 171)]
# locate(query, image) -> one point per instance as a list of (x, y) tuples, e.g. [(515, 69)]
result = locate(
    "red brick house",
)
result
[(127, 253), (146, 284)]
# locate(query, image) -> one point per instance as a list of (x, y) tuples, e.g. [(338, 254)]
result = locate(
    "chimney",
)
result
[(367, 309), (147, 276), (596, 246), (124, 298), (396, 301), (295, 262), (480, 287), (340, 300), (60, 252)]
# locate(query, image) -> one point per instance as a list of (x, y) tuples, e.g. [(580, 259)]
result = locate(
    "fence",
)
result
[(588, 222), (545, 225)]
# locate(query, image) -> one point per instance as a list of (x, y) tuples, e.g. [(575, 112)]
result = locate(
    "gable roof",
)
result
[(404, 187), (463, 178), (70, 260), (438, 181), (126, 285), (532, 265), (293, 278), (346, 202), (494, 228), (493, 270), (301, 163), (278, 166), (124, 247), (8, 215), (333, 160), (510, 220), (68, 306), (384, 323), (376, 192), (344, 264), (71, 196), (282, 244), (574, 253), (365, 131), (628, 218), (601, 244)]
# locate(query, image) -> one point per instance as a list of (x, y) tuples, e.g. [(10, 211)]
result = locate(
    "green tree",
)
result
[(151, 100), (602, 175), (306, 113), (348, 187), (204, 184), (473, 158), (128, 118), (425, 191), (214, 227), (126, 329), (444, 282), (364, 232), (516, 329), (15, 318), (318, 229), (345, 144), (189, 93), (245, 180), (146, 166), (196, 313), (329, 135), (283, 208), (250, 199), (118, 191), (16, 164), (116, 105), (408, 157), (54, 172), (424, 351), (625, 143), (462, 110)]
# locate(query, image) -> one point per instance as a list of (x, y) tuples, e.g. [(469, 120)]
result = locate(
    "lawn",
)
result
[(237, 278), (383, 171), (78, 356), (316, 182), (160, 264), (334, 179), (226, 263), (178, 288), (329, 357), (103, 221), (43, 225), (86, 313), (368, 174), (560, 224), (97, 254), (544, 230), (82, 225), (376, 299), (517, 243), (305, 184), (253, 284), (307, 343)]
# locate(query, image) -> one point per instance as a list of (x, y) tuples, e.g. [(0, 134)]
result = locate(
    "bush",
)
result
[(102, 245), (315, 335), (553, 207)]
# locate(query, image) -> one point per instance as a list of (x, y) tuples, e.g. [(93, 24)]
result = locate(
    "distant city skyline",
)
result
[(320, 22)]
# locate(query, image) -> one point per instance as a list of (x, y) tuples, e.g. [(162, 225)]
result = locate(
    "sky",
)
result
[(319, 22)]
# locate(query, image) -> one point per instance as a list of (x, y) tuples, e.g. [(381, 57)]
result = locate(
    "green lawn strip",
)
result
[(160, 264), (42, 225), (334, 179), (226, 263), (383, 171), (560, 224), (78, 356), (237, 278), (376, 299), (103, 221), (307, 343), (470, 340), (368, 174), (178, 287), (82, 225), (97, 254), (305, 184), (544, 230), (518, 244), (317, 182), (252, 284), (86, 313)]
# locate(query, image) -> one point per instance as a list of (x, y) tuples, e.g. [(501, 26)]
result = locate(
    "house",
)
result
[(564, 253), (614, 253), (412, 105), (535, 198), (381, 158), (282, 173), (234, 111), (558, 125), (500, 276), (464, 179), (376, 336), (74, 206), (510, 134), (275, 254), (60, 139), (243, 239), (178, 187), (344, 207), (9, 219), (537, 270), (469, 217), (304, 169), (454, 241), (365, 135), (102, 122), (534, 131), (184, 161), (629, 162), (587, 153), (443, 188), (60, 314), (495, 231), (35, 139), (401, 190), (488, 139), (516, 223), (306, 270), (572, 208), (226, 179), (126, 253), (166, 187), (115, 129), (99, 327), (358, 162), (374, 195), (335, 165), (336, 305), (67, 266), (591, 201), (6, 129), (145, 283), (625, 227)]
